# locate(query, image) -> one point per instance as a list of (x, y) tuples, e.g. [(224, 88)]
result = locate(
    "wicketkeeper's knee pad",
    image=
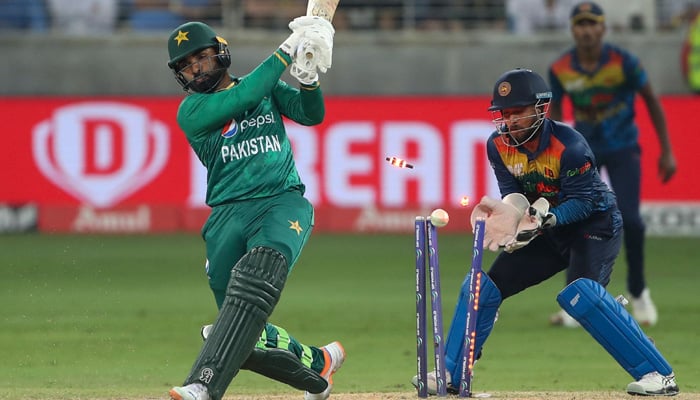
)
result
[(613, 327), (489, 301), (253, 291)]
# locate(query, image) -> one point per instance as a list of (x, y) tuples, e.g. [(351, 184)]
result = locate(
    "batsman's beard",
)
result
[(206, 82)]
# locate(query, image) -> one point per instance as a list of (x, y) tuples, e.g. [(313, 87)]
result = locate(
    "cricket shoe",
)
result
[(643, 309), (333, 357), (193, 391), (654, 384), (432, 383), (562, 318)]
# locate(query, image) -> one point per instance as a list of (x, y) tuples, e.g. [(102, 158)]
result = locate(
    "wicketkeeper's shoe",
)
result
[(562, 318), (644, 310), (654, 384), (193, 391), (432, 383), (334, 356)]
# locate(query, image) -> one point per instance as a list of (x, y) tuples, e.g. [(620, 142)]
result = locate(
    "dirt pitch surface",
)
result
[(493, 395)]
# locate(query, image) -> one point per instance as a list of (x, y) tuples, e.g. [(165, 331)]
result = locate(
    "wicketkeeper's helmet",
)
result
[(519, 88)]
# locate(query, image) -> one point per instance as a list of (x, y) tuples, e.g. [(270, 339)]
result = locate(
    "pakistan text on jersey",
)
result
[(250, 147)]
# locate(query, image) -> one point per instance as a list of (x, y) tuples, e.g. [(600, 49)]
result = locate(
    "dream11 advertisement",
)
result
[(121, 165)]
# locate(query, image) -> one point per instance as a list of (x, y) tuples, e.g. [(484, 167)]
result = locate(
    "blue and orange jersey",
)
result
[(603, 100), (562, 170)]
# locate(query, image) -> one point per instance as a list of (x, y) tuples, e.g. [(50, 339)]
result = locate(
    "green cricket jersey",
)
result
[(239, 136)]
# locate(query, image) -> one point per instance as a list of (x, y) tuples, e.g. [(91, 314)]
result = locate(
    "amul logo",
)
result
[(100, 152)]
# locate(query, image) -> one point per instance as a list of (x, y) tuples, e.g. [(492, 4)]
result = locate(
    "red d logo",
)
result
[(100, 152)]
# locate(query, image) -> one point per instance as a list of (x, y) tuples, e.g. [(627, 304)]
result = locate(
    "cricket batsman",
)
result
[(555, 213), (260, 219)]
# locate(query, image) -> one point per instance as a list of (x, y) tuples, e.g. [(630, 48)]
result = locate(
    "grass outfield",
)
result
[(110, 317)]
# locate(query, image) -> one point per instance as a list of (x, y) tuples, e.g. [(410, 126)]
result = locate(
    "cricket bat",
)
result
[(321, 8)]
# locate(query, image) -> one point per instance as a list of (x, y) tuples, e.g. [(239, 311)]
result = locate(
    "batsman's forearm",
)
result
[(260, 82), (307, 108), (312, 104)]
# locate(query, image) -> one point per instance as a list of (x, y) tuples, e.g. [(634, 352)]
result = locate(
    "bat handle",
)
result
[(310, 54)]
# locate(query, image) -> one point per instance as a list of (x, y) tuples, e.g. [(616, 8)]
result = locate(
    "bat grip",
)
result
[(310, 54)]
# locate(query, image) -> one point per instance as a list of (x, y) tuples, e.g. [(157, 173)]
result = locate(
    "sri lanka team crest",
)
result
[(230, 129), (504, 89)]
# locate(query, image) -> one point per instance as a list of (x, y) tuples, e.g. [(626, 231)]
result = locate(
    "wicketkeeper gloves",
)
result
[(531, 224), (512, 223), (501, 217)]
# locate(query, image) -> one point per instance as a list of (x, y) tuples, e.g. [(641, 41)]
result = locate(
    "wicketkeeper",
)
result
[(260, 220), (555, 213)]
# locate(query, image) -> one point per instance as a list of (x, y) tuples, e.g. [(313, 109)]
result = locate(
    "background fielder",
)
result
[(602, 81)]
